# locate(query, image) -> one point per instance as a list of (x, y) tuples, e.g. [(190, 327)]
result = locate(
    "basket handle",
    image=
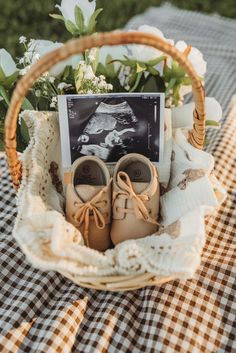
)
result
[(77, 46)]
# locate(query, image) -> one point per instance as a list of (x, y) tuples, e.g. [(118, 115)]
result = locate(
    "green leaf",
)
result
[(79, 19), (8, 81), (3, 110), (170, 85), (56, 16), (2, 126), (140, 67), (24, 131), (110, 67), (1, 143), (177, 70), (186, 81), (127, 62), (101, 70), (153, 71), (92, 21), (70, 26), (138, 78), (66, 72), (26, 105), (154, 84), (4, 95), (176, 95), (156, 61), (212, 123)]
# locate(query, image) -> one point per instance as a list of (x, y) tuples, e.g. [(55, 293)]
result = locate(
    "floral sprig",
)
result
[(131, 68)]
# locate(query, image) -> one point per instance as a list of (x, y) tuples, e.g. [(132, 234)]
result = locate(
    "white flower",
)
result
[(182, 116), (28, 57), (36, 57), (195, 57), (124, 76), (23, 71), (7, 64), (21, 61), (38, 93), (116, 52), (53, 103), (51, 79), (67, 9), (22, 40), (89, 74), (63, 85), (38, 48), (145, 53), (92, 55)]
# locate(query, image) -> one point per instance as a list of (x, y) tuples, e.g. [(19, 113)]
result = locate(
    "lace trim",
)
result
[(51, 243)]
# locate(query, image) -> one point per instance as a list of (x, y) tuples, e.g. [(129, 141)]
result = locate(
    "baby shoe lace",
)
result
[(91, 209), (127, 192)]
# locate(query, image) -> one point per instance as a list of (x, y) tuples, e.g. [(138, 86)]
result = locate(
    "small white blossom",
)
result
[(102, 85), (31, 42), (51, 79), (38, 93), (92, 55), (36, 57), (22, 40), (21, 61), (61, 86), (24, 71), (124, 76), (89, 74), (53, 103)]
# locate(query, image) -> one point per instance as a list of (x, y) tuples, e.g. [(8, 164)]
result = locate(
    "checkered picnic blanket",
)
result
[(45, 312)]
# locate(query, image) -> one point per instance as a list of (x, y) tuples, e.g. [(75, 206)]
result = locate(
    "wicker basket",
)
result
[(77, 46)]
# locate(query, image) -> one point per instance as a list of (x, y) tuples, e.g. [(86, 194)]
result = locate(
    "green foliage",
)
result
[(31, 19)]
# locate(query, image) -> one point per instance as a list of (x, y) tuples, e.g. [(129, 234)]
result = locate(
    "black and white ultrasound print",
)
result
[(112, 125)]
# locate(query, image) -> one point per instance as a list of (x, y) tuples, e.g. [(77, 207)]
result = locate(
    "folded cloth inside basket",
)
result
[(51, 243), (191, 183)]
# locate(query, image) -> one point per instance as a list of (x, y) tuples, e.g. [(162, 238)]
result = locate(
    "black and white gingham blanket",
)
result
[(45, 312)]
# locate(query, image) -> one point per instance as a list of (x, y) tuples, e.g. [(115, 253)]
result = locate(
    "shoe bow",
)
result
[(127, 192), (91, 208)]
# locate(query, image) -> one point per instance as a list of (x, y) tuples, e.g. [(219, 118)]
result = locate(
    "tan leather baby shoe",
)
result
[(88, 201), (135, 198)]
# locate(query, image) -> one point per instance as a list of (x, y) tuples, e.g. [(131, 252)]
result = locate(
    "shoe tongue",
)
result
[(139, 187), (87, 192)]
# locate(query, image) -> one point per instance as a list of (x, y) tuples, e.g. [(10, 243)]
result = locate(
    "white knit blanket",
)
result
[(51, 243)]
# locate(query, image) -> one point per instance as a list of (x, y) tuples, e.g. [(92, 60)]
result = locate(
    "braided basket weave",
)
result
[(77, 46)]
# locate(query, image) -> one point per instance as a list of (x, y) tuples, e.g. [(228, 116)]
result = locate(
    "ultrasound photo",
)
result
[(111, 125)]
